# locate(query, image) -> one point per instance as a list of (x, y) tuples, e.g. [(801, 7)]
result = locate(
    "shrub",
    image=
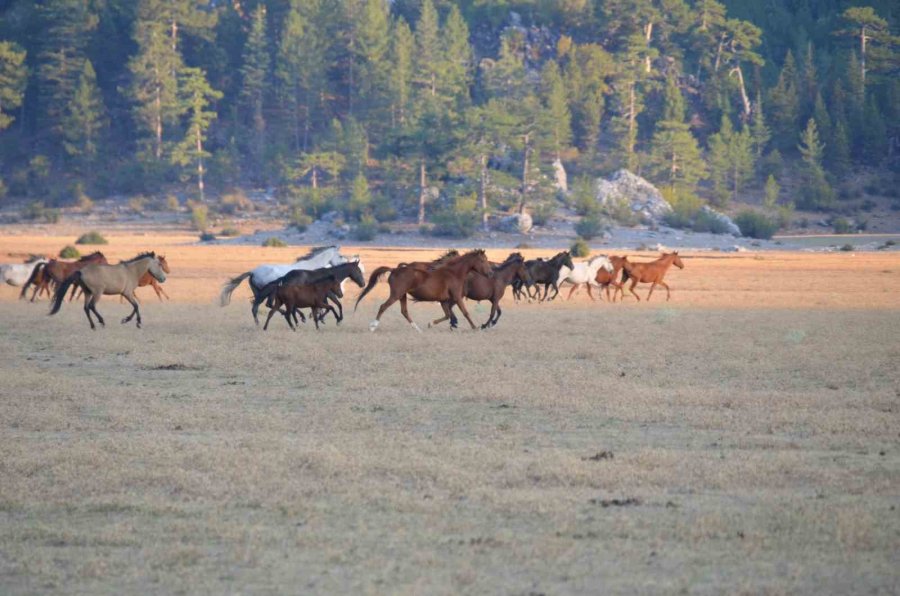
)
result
[(274, 241), (137, 204), (842, 226), (365, 230), (199, 217), (580, 248), (583, 200), (589, 227), (847, 248), (230, 232), (36, 210), (69, 252), (207, 237), (542, 212), (754, 224), (707, 222), (234, 202), (300, 220), (619, 210), (91, 238), (450, 224), (383, 210), (172, 203)]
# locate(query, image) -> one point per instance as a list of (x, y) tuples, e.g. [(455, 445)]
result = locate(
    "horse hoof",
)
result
[(373, 325), (416, 327), (125, 320)]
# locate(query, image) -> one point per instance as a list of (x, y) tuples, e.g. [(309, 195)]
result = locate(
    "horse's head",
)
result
[(164, 264), (676, 260), (565, 258), (522, 273), (481, 263), (156, 268), (357, 274)]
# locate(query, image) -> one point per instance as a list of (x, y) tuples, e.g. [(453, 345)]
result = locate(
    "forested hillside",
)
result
[(442, 111)]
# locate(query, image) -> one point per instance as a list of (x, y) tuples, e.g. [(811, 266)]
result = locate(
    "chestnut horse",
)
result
[(481, 287), (605, 279), (445, 284), (148, 280), (651, 273), (56, 271)]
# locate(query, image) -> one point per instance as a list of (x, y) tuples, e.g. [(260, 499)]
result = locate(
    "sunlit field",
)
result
[(742, 438)]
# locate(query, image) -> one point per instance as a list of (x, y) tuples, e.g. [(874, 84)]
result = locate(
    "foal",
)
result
[(296, 296)]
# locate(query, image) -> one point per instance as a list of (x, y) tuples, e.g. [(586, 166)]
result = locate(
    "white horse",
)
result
[(585, 272), (16, 274), (317, 258)]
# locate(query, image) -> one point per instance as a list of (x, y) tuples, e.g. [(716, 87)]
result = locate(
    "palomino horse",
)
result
[(584, 272), (146, 280), (321, 256), (97, 280), (605, 279), (56, 271), (17, 274), (651, 273), (353, 270), (544, 272), (481, 287), (444, 284)]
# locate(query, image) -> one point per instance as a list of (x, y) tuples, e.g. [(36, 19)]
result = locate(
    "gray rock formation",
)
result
[(643, 198)]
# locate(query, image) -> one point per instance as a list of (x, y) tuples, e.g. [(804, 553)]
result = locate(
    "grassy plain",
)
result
[(742, 438)]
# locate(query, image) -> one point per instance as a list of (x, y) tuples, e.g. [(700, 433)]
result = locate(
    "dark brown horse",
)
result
[(481, 287), (55, 271), (296, 296), (445, 284), (605, 279), (651, 273)]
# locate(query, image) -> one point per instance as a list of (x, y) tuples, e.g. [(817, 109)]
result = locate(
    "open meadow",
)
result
[(742, 438)]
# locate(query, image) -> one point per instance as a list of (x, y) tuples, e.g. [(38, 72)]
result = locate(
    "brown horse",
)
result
[(481, 287), (605, 279), (56, 271), (651, 273), (445, 284)]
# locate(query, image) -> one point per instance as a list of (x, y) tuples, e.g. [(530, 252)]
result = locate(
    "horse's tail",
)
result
[(230, 285), (60, 293), (373, 279), (31, 278)]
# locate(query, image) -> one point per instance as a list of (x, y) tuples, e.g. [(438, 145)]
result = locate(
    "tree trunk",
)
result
[(483, 192), (719, 53), (744, 98), (527, 146), (159, 125), (421, 218), (632, 134), (200, 165), (862, 54), (315, 176), (648, 35)]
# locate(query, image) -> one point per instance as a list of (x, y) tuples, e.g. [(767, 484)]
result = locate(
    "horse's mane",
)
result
[(143, 255), (450, 254), (314, 251), (96, 253), (513, 257)]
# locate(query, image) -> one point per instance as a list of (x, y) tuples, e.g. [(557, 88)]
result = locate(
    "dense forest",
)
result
[(444, 111)]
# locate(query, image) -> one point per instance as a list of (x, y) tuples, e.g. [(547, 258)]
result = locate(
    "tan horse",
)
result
[(445, 284), (651, 273), (96, 280), (605, 279)]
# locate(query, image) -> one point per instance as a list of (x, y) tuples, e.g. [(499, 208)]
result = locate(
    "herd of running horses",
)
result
[(316, 281)]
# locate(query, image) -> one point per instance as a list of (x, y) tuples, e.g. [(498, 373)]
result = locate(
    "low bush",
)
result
[(69, 252), (230, 232), (589, 227), (365, 230), (274, 241), (707, 222), (207, 237), (91, 238), (450, 224), (842, 226), (580, 248), (754, 224)]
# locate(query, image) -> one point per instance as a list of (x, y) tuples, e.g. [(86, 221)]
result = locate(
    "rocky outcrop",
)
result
[(561, 179), (641, 196), (519, 223)]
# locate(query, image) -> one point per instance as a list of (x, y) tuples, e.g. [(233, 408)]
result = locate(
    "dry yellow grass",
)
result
[(754, 419)]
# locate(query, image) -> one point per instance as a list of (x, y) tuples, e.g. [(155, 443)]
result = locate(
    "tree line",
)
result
[(436, 108)]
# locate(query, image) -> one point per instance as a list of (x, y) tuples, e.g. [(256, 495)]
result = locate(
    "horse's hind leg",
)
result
[(405, 311), (650, 293), (666, 286), (631, 289), (87, 310), (572, 291), (447, 315), (461, 303), (384, 306), (588, 284)]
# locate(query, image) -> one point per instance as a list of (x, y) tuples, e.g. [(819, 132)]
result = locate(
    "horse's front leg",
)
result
[(666, 286), (445, 306), (461, 303), (405, 312), (650, 293)]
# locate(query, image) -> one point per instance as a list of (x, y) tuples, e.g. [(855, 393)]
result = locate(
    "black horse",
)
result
[(307, 277), (543, 272)]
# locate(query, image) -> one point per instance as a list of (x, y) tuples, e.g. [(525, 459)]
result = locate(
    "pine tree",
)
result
[(588, 67), (784, 100), (810, 147), (154, 69), (254, 71), (553, 95), (772, 190), (457, 58), (875, 143), (674, 156), (428, 50), (85, 119), (401, 74), (371, 68), (816, 192), (837, 153), (759, 130), (731, 160), (360, 197), (66, 26), (822, 118), (195, 96), (13, 77), (867, 28)]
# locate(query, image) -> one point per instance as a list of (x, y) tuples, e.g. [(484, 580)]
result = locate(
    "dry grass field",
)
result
[(742, 438)]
